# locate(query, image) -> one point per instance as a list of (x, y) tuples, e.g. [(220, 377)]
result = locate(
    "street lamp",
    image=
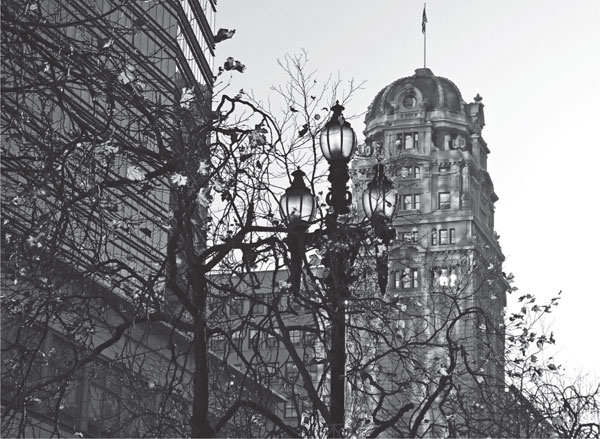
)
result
[(380, 197), (297, 205), (297, 209), (338, 142), (379, 204)]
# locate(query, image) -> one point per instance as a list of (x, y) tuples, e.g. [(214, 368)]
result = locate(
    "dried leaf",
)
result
[(224, 34), (204, 198), (203, 168), (135, 173), (178, 179)]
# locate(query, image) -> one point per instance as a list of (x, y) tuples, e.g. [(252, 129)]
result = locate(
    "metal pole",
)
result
[(338, 292), (338, 367)]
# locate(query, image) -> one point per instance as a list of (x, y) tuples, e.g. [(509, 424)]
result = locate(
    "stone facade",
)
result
[(446, 257)]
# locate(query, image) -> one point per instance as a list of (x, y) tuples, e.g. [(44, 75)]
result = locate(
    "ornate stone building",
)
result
[(446, 259)]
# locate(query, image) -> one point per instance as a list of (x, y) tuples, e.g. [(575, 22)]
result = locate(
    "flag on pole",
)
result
[(424, 23)]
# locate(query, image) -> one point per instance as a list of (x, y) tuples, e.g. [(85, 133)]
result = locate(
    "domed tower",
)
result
[(445, 257)]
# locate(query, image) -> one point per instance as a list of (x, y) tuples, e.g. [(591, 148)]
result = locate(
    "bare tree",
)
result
[(134, 304), (109, 157)]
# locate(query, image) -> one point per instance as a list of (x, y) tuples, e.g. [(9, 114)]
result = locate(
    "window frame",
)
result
[(252, 334), (444, 204), (296, 337), (402, 138), (237, 306), (443, 237), (409, 278), (270, 341), (215, 342), (414, 201), (289, 411), (410, 236)]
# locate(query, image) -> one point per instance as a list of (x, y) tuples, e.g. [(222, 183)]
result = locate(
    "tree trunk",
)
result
[(200, 423)]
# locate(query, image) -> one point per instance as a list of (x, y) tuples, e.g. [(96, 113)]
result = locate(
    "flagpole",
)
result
[(424, 29), (424, 49)]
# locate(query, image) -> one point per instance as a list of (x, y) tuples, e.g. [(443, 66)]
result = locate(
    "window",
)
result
[(236, 337), (410, 140), (409, 101), (410, 202), (443, 237), (444, 200), (410, 172), (291, 303), (271, 371), (399, 141), (444, 277), (296, 337), (397, 279), (217, 342), (252, 341), (454, 141), (410, 237), (407, 141), (237, 307), (309, 340), (104, 395), (259, 308), (216, 307), (313, 370), (410, 278), (290, 410), (270, 340)]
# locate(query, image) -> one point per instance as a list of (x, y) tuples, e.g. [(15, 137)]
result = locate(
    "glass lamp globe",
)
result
[(380, 197), (297, 204), (338, 140)]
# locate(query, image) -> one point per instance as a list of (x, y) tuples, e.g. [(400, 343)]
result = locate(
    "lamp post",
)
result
[(338, 142)]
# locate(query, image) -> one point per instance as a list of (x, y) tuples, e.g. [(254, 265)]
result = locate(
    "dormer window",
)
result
[(409, 101)]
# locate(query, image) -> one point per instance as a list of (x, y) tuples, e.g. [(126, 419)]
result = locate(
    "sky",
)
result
[(536, 63)]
